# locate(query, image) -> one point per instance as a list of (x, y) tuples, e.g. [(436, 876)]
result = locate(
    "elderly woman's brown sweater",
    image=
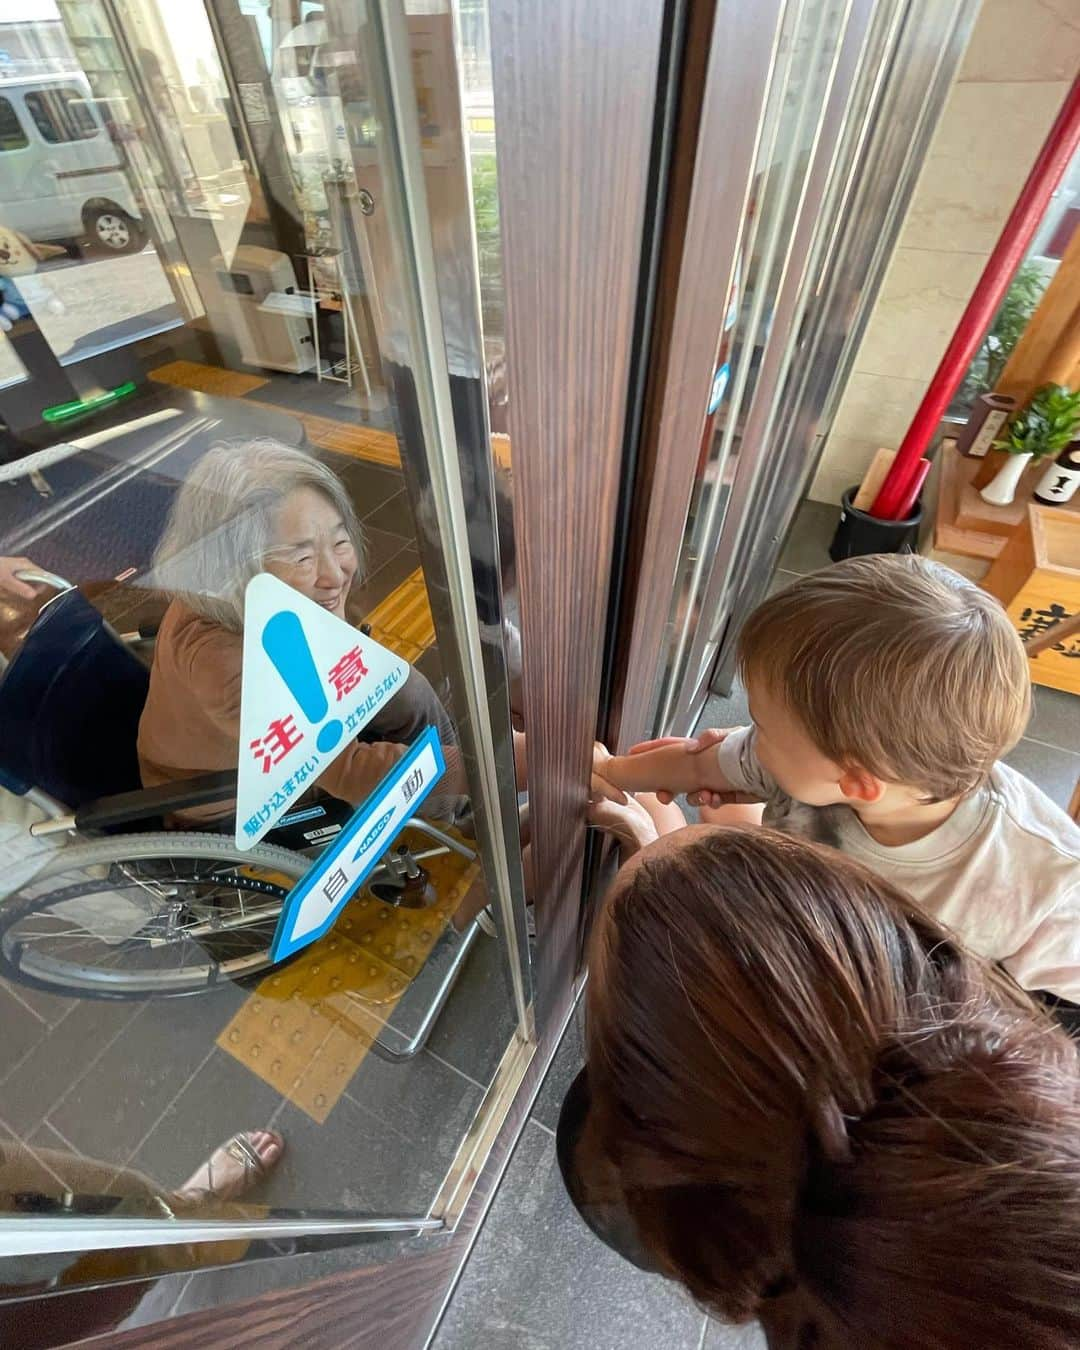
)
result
[(191, 722)]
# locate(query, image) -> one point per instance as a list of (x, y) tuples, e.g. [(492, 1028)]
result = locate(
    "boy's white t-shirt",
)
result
[(1003, 872)]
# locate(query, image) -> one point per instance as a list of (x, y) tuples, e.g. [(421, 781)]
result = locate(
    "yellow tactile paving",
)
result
[(207, 379), (403, 620), (308, 1026), (377, 447), (500, 450)]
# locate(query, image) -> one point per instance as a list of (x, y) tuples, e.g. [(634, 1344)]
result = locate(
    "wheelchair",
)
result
[(149, 912)]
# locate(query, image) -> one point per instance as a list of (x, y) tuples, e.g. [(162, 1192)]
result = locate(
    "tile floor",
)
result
[(537, 1279)]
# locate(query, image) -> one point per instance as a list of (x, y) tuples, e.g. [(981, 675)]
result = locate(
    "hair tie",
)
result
[(830, 1128)]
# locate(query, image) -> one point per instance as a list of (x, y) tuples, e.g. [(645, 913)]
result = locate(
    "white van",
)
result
[(61, 177)]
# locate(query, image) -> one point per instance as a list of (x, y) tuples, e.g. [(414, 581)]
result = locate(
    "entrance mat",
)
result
[(403, 620), (207, 379), (309, 1025)]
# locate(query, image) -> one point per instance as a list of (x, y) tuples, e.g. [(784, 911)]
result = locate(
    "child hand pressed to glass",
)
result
[(623, 805)]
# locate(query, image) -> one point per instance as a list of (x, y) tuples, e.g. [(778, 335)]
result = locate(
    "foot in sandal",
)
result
[(234, 1168)]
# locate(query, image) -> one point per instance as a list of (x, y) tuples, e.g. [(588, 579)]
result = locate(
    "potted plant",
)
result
[(1006, 330), (1045, 427)]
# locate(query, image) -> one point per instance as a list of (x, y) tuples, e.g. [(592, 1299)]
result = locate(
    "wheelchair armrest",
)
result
[(124, 807)]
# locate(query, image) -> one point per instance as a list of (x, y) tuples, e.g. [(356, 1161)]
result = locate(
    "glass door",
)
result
[(775, 273), (264, 958)]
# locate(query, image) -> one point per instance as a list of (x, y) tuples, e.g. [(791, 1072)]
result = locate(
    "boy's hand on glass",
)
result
[(628, 822), (599, 787)]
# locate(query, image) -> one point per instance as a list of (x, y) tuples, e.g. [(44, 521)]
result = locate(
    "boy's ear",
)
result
[(858, 785)]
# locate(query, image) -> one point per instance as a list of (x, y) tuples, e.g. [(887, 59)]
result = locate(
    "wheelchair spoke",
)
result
[(153, 925)]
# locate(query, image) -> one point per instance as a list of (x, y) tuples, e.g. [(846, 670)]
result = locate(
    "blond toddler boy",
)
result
[(883, 693)]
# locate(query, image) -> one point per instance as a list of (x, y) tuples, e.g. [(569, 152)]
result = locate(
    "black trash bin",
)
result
[(858, 534)]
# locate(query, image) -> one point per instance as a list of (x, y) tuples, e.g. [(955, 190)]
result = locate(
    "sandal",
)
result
[(234, 1168)]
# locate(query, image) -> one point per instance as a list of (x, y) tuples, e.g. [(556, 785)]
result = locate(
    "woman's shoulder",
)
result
[(192, 642)]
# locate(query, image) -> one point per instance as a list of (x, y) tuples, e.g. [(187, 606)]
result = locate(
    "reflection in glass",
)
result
[(206, 359), (802, 72), (1034, 274)]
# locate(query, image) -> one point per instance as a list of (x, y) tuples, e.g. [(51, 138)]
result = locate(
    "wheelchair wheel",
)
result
[(134, 916)]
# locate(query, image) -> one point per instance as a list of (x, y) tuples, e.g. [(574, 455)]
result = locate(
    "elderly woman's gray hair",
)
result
[(221, 528)]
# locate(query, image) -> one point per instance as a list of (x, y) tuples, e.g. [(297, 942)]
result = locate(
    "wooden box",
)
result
[(964, 523), (1037, 577)]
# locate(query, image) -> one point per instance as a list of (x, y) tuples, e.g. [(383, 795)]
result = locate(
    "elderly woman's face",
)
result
[(312, 550)]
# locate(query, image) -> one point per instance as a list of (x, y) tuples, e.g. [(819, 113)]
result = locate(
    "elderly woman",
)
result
[(250, 507)]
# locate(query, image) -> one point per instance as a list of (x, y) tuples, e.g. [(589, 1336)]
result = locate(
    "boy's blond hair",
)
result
[(898, 665)]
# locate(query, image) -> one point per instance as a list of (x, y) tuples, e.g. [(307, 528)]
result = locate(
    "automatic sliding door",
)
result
[(258, 309)]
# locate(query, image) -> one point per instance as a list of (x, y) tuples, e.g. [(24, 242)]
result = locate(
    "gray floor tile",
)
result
[(61, 1060), (393, 515), (47, 1137), (300, 393), (780, 580), (1056, 719), (383, 1150), (59, 1158), (725, 710), (565, 1067), (1055, 771), (50, 1008), (476, 1025), (382, 547), (357, 1161), (222, 1098), (369, 485), (405, 1098), (109, 1112), (721, 1337), (23, 1032), (424, 1104), (430, 666), (807, 547), (381, 582), (539, 1280)]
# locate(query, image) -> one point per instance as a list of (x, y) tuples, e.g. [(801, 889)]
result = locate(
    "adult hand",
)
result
[(628, 821), (13, 586)]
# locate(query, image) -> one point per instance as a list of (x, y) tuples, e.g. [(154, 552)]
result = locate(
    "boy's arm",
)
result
[(1050, 958), (673, 768)]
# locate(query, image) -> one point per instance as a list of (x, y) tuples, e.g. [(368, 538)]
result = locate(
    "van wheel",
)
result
[(113, 230)]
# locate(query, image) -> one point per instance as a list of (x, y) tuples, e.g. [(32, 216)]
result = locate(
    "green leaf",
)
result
[(1046, 426)]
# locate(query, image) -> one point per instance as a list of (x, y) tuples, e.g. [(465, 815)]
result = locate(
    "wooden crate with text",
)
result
[(1037, 577)]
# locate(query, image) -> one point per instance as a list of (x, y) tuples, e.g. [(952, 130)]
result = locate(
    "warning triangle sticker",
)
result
[(309, 683)]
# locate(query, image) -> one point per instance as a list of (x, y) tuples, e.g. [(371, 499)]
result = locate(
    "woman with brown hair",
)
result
[(805, 1102)]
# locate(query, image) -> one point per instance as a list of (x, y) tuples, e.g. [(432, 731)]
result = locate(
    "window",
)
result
[(12, 136), (62, 114)]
